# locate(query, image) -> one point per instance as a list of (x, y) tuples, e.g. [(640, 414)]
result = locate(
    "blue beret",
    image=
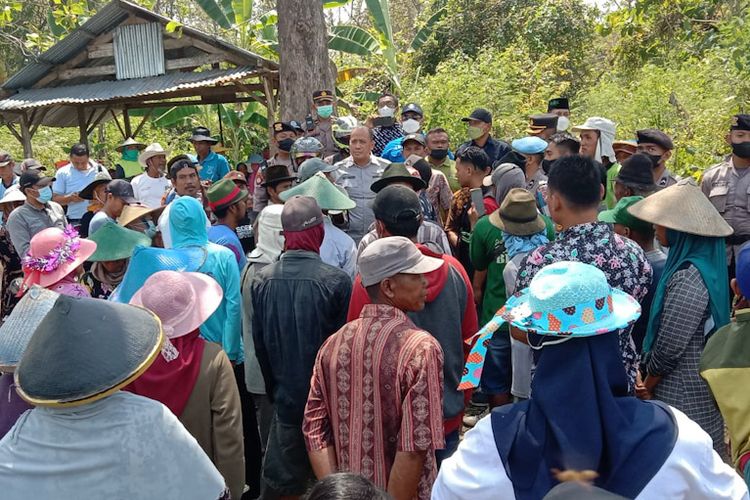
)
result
[(529, 145)]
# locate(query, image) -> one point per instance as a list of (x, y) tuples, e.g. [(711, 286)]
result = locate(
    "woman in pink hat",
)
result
[(192, 377), (54, 261)]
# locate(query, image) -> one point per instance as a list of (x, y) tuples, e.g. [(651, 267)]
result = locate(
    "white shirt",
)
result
[(338, 249), (149, 190), (693, 470)]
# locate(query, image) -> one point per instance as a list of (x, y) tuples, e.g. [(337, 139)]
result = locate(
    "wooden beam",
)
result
[(126, 122), (228, 56), (270, 109), (69, 74), (14, 132), (143, 122), (192, 102), (117, 122), (42, 114), (83, 136), (53, 75), (194, 62), (98, 120), (28, 151)]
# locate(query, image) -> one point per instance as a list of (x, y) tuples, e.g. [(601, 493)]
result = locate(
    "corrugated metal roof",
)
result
[(122, 89), (106, 19), (138, 51)]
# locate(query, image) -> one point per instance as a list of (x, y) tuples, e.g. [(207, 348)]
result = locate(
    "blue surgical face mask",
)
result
[(325, 111), (45, 195)]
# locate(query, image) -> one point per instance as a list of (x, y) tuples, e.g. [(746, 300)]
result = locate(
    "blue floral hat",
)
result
[(565, 299)]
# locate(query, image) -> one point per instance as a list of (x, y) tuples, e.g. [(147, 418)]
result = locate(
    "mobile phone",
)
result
[(383, 121), (477, 199)]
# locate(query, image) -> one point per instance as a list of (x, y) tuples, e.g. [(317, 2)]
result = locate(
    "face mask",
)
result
[(563, 122), (475, 132), (546, 165), (130, 155), (411, 126), (325, 111), (386, 111), (655, 159), (543, 344), (741, 149), (286, 145), (45, 195), (439, 154)]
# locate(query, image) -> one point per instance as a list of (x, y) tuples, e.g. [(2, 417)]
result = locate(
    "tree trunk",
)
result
[(303, 56)]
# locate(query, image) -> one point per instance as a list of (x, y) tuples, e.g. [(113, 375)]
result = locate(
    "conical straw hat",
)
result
[(682, 207)]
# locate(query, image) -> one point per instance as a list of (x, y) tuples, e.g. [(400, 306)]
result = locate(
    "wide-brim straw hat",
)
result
[(47, 243), (182, 301), (114, 242), (328, 196), (131, 213), (129, 142), (18, 327), (100, 178), (151, 150), (86, 349), (683, 207)]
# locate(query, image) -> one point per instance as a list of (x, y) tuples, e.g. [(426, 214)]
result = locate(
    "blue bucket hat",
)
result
[(565, 299)]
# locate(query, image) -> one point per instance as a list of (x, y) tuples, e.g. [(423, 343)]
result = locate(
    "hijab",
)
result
[(106, 278), (708, 255), (171, 381), (507, 176), (580, 417)]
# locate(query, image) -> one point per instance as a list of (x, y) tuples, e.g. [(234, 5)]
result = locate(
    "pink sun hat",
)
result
[(53, 254), (183, 301)]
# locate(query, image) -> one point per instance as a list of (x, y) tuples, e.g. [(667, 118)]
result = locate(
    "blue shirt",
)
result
[(71, 180), (3, 188), (224, 236), (213, 167)]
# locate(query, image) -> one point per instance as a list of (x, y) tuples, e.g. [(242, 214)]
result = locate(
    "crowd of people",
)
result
[(374, 311)]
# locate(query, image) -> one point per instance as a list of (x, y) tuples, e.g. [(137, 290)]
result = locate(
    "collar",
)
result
[(300, 254), (211, 154), (587, 228), (44, 207), (370, 162), (383, 311), (13, 181)]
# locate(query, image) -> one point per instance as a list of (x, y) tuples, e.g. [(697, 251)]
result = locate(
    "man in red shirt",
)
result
[(449, 313), (375, 399)]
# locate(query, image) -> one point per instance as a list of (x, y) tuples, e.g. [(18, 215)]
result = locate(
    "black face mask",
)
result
[(547, 165), (741, 149), (439, 154), (655, 159), (286, 144)]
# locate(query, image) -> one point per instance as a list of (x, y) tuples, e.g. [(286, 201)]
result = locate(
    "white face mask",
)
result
[(563, 122), (386, 111), (410, 126)]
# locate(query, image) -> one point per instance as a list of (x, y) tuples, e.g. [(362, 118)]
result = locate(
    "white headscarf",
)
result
[(270, 240)]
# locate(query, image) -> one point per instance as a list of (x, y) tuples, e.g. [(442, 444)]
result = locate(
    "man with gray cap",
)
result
[(375, 402), (297, 302)]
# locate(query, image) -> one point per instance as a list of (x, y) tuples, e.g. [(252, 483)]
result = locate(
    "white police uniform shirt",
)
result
[(356, 180), (693, 470)]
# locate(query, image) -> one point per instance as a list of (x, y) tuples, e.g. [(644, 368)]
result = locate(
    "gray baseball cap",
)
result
[(393, 255), (311, 167), (300, 213)]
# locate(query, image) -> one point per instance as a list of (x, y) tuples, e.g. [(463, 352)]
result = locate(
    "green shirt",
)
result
[(488, 252), (610, 199), (449, 169)]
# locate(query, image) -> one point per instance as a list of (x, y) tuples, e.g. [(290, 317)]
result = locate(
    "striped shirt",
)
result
[(377, 389)]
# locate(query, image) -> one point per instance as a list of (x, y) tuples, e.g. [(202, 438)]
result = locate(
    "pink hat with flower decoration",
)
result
[(53, 254)]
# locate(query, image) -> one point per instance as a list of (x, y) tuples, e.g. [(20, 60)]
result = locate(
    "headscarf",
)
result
[(580, 417), (172, 382), (104, 277), (507, 176), (706, 253), (520, 244), (270, 240), (310, 239), (604, 146)]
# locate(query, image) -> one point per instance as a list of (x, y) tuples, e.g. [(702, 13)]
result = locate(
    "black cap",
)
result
[(397, 173), (32, 177), (740, 122), (655, 136), (541, 122), (275, 174), (122, 189), (323, 95), (558, 103), (412, 107), (480, 114), (637, 171), (414, 137), (285, 127), (79, 149), (396, 203), (179, 162)]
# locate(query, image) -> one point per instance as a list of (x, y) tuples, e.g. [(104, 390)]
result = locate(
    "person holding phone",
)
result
[(469, 203)]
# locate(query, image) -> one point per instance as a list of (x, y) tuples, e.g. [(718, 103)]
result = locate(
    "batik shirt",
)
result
[(621, 260)]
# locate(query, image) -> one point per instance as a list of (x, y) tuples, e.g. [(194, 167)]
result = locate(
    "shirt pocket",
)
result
[(718, 197)]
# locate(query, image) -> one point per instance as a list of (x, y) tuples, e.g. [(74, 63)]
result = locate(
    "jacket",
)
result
[(188, 227), (450, 316), (213, 416), (298, 302)]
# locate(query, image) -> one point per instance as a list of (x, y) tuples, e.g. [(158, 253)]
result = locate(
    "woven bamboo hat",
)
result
[(682, 207)]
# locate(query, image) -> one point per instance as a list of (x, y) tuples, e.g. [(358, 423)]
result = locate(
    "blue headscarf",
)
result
[(580, 417), (709, 256)]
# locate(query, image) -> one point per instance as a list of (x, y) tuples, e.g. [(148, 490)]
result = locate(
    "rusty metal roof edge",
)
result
[(106, 19)]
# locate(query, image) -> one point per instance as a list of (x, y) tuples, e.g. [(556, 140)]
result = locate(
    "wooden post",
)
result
[(126, 120), (26, 137), (82, 136), (270, 109)]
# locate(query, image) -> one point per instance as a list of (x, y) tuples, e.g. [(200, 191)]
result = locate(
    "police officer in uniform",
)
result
[(543, 125), (727, 185), (324, 101), (658, 147), (284, 136)]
